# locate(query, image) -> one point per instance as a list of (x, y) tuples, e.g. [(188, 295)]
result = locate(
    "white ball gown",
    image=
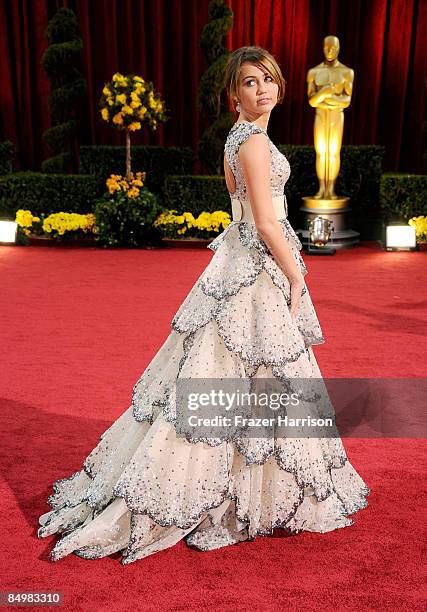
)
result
[(144, 487)]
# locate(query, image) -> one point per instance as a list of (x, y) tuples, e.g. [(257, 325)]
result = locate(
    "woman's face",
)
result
[(257, 91)]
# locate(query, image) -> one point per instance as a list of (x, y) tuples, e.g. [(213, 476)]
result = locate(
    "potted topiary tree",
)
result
[(125, 214), (127, 104)]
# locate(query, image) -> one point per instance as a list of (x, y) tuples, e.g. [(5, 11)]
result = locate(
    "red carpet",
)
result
[(78, 327)]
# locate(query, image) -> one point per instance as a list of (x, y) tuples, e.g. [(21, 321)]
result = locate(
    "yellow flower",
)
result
[(141, 112), (112, 183), (127, 110), (121, 98), (138, 79), (24, 218), (112, 186), (63, 222), (106, 91), (105, 114), (133, 193), (135, 125), (90, 220), (120, 80), (420, 224), (118, 119), (135, 99)]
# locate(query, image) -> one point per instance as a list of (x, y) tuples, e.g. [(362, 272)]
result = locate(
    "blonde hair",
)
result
[(261, 58)]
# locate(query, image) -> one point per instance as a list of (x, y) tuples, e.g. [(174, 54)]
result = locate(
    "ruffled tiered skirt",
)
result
[(144, 487)]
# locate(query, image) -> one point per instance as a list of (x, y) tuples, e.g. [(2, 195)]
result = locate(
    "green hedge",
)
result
[(375, 198), (359, 179), (195, 193), (157, 161), (7, 155), (359, 175), (48, 193), (403, 196)]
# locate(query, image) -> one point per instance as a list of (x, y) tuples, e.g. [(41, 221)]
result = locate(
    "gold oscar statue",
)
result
[(329, 89)]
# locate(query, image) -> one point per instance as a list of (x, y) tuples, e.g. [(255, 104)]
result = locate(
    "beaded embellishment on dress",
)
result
[(279, 166), (143, 488)]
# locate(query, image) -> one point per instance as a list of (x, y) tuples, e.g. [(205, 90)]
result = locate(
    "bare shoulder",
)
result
[(255, 140), (255, 147), (254, 157)]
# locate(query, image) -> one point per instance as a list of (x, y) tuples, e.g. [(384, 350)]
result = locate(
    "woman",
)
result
[(248, 317)]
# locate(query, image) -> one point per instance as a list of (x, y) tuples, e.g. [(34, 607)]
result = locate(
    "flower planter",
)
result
[(67, 242), (181, 243), (422, 246)]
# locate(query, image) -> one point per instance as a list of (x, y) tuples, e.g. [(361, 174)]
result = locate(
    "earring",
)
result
[(238, 107)]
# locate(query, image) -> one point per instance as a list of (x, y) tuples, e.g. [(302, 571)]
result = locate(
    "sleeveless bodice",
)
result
[(279, 172)]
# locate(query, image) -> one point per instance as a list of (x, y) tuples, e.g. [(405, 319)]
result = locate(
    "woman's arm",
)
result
[(254, 156)]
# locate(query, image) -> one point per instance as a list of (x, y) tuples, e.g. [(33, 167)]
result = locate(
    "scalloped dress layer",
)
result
[(144, 487)]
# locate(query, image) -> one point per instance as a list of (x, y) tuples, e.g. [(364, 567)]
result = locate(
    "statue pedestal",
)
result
[(334, 210)]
